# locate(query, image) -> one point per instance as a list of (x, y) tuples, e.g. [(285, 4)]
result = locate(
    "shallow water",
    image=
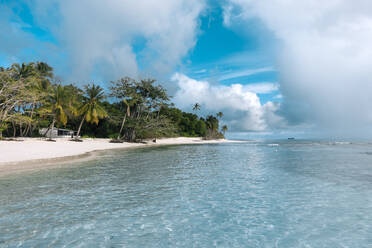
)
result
[(255, 194)]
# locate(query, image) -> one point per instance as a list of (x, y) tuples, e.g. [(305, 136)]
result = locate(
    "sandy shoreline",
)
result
[(33, 153)]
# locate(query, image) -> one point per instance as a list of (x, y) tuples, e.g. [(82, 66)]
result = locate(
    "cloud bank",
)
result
[(324, 59), (113, 38), (240, 104)]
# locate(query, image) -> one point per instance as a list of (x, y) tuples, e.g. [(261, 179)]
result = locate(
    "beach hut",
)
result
[(58, 132)]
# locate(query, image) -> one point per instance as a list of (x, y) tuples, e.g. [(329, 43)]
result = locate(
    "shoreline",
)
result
[(32, 154)]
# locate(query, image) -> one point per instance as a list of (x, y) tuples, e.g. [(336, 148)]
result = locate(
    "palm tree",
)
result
[(92, 110), (37, 89), (58, 104), (44, 70), (22, 71), (220, 115), (196, 107), (127, 113), (224, 129)]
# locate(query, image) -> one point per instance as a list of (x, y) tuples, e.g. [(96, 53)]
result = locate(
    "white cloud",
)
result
[(243, 73), (279, 96), (261, 88), (241, 107), (324, 57), (121, 37)]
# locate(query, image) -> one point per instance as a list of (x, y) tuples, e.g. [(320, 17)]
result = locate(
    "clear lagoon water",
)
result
[(254, 194)]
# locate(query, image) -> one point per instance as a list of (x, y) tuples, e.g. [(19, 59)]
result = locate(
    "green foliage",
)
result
[(196, 107), (201, 128), (87, 136), (137, 110), (113, 135), (224, 129), (91, 109), (59, 105)]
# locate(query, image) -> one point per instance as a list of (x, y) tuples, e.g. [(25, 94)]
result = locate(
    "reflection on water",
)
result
[(293, 194)]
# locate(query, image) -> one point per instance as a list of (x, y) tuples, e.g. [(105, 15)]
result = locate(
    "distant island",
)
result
[(34, 103)]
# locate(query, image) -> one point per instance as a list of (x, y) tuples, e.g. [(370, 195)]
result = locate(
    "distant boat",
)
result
[(291, 138)]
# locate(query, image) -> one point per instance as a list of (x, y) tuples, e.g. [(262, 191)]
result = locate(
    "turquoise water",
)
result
[(256, 194)]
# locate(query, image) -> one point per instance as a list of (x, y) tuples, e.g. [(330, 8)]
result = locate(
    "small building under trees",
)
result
[(57, 133)]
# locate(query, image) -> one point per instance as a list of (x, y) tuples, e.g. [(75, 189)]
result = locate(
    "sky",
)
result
[(276, 68)]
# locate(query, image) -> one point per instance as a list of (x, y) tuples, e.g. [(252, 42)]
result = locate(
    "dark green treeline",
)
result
[(31, 98)]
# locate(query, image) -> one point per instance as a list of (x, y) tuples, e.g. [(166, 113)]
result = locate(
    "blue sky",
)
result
[(230, 56), (217, 54), (209, 50), (270, 66)]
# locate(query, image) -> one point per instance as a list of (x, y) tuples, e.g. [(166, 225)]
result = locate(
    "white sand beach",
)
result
[(35, 153)]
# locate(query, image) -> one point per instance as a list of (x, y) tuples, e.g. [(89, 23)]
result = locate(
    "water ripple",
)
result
[(228, 195)]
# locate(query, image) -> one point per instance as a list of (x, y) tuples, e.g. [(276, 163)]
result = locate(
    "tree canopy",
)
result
[(130, 109)]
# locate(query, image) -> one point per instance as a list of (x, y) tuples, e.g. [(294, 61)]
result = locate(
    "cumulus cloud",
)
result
[(241, 106), (262, 87), (324, 58), (113, 38)]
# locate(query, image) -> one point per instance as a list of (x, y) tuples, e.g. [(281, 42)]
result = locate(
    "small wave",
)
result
[(272, 144), (340, 143)]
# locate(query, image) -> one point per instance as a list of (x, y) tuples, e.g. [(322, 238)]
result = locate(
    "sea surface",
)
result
[(253, 194)]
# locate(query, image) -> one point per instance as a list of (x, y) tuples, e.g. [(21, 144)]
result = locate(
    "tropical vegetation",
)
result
[(31, 98)]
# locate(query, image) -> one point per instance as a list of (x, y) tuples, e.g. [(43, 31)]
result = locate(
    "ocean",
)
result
[(281, 193)]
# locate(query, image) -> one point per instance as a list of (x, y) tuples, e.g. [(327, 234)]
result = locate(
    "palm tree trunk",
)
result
[(27, 129), (20, 129), (81, 124), (30, 124), (14, 129), (158, 113), (45, 134), (139, 110), (148, 113), (122, 126), (52, 128)]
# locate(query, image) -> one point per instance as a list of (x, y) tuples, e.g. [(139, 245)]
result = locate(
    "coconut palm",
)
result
[(196, 107), (224, 129), (20, 72), (92, 110), (58, 104), (44, 70), (37, 90), (220, 115), (127, 113)]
